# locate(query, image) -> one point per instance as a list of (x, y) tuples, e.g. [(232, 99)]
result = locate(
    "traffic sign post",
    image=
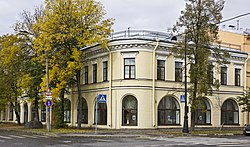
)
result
[(182, 98), (48, 105), (100, 98)]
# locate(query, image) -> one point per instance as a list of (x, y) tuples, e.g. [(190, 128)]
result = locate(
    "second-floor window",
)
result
[(237, 77), (94, 73), (178, 71), (105, 70), (210, 73), (160, 70), (129, 68), (223, 75), (86, 74)]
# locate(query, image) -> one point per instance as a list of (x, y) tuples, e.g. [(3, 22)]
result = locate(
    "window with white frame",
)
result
[(223, 75), (178, 71), (237, 76), (94, 73), (129, 68), (105, 71), (160, 69), (86, 74)]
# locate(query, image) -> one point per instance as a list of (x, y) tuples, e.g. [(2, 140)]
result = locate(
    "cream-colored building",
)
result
[(237, 39), (143, 84)]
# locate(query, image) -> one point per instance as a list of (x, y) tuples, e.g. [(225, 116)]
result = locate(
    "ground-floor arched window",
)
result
[(129, 111), (168, 111), (229, 113), (25, 108), (33, 112), (43, 113), (101, 114), (67, 110), (203, 113), (84, 111), (11, 113)]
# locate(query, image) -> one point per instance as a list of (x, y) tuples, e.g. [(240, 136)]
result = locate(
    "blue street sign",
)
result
[(102, 98), (48, 103), (182, 98)]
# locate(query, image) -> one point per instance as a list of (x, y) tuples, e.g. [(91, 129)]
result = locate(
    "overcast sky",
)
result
[(157, 15)]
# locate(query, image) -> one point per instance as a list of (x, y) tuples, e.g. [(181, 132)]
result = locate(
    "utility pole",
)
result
[(47, 88)]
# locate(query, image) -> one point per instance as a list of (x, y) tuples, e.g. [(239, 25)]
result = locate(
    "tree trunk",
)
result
[(60, 111), (16, 112), (36, 105), (79, 114), (192, 126)]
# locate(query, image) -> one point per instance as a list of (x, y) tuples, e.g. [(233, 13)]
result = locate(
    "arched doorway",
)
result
[(84, 111), (129, 111), (168, 111), (25, 108), (67, 110), (203, 113), (101, 114), (43, 112), (229, 113)]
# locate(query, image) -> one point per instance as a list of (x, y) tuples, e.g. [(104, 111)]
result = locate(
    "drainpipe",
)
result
[(110, 83), (245, 86), (153, 80)]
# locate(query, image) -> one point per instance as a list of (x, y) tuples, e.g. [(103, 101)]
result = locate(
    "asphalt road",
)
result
[(22, 139)]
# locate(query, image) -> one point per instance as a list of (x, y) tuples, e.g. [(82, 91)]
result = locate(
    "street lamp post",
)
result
[(185, 125)]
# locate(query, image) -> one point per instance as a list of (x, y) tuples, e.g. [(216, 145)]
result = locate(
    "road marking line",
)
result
[(29, 136), (5, 137), (40, 136), (16, 136)]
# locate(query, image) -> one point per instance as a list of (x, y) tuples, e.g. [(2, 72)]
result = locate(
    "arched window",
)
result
[(33, 111), (129, 111), (25, 107), (229, 113), (43, 112), (101, 114), (67, 110), (203, 113), (84, 111), (168, 111), (11, 113)]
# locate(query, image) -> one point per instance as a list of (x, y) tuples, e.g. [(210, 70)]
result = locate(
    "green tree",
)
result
[(33, 69), (199, 21), (68, 26), (11, 64), (244, 101)]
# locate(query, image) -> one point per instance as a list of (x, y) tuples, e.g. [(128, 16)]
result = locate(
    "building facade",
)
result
[(143, 84)]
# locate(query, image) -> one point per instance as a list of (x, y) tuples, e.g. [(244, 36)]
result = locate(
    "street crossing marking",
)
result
[(15, 136), (5, 137), (29, 136)]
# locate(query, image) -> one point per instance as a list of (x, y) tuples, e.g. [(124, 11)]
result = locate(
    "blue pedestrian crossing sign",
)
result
[(102, 98), (182, 98)]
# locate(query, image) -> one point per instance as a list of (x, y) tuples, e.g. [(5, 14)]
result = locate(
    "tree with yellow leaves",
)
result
[(68, 26)]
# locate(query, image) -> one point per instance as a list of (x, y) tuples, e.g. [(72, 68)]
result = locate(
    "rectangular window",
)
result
[(129, 68), (105, 71), (94, 73), (223, 75), (86, 75), (210, 74), (178, 71), (160, 70), (237, 77)]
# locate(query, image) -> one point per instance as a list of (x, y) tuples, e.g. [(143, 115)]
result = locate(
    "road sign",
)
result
[(48, 103), (48, 94), (182, 98), (102, 98)]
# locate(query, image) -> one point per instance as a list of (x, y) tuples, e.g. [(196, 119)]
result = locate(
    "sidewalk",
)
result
[(122, 133)]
